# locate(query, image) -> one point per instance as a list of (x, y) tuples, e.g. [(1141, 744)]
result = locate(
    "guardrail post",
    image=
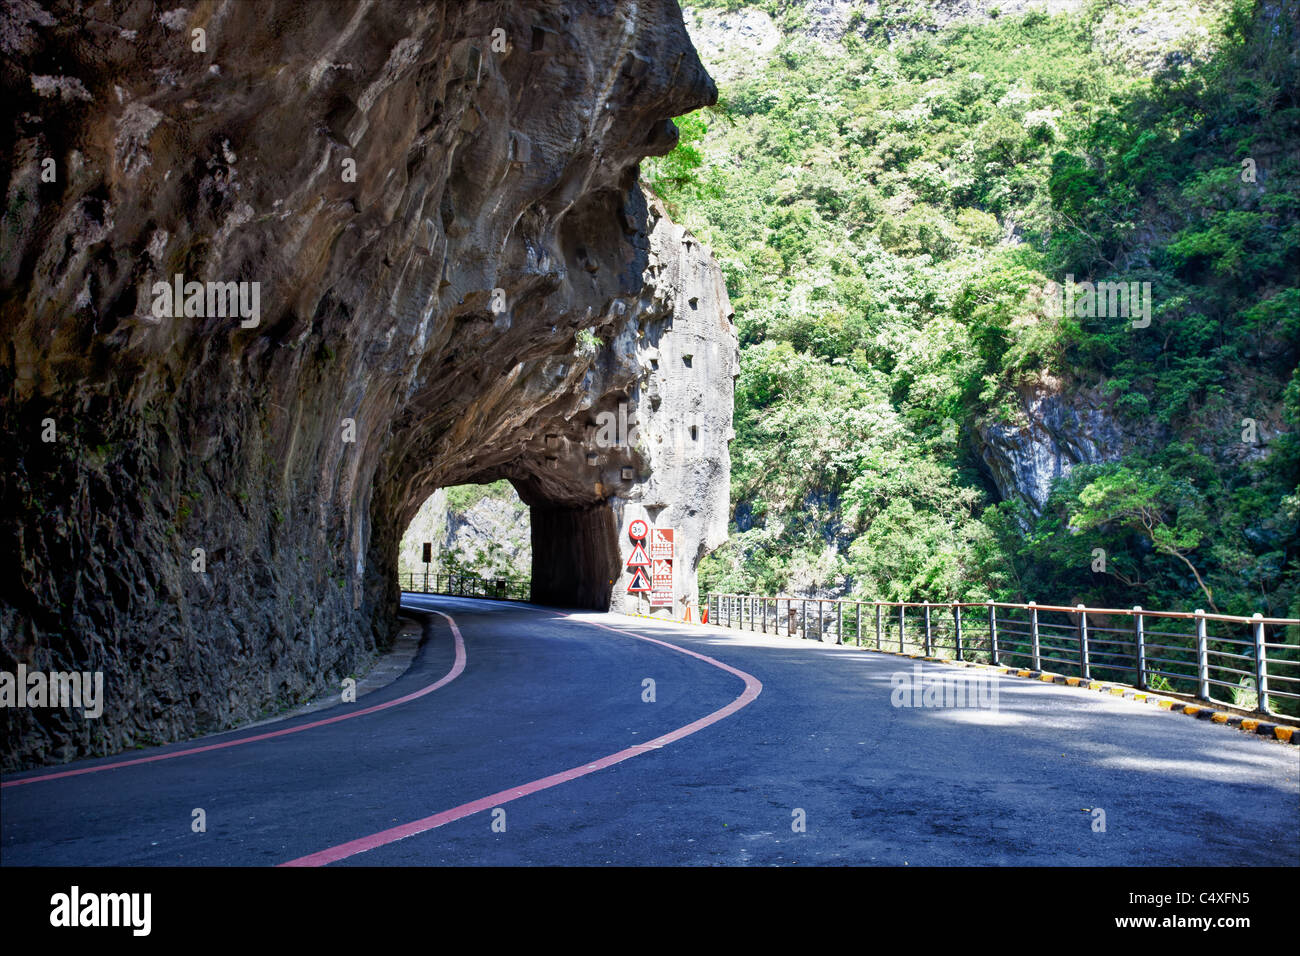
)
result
[(1033, 636), (1085, 668), (789, 615), (839, 623), (1202, 658), (1142, 646), (1261, 665), (857, 628), (901, 609), (803, 606), (878, 628), (927, 629), (993, 632), (956, 622)]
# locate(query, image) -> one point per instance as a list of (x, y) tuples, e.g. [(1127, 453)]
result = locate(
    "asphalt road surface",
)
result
[(524, 735)]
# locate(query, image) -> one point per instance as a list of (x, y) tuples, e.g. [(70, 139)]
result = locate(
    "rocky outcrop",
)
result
[(733, 43), (688, 358), (1142, 35), (421, 205), (1057, 429), (1062, 424)]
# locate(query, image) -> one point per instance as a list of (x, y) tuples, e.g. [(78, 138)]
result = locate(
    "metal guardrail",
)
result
[(1254, 662), (469, 585)]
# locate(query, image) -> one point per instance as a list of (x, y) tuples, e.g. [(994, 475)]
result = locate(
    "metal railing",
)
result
[(468, 585), (1252, 663)]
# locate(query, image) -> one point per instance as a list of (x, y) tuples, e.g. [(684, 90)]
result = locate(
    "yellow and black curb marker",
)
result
[(1261, 728)]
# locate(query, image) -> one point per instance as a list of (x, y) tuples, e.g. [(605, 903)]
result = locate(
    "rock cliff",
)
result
[(396, 217)]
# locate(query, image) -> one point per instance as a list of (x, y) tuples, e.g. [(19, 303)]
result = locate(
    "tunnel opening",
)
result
[(473, 530), (521, 542)]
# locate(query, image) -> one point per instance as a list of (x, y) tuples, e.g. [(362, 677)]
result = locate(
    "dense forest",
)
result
[(898, 211)]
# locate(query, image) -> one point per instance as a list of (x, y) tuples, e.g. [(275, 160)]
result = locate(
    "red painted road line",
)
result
[(753, 687), (450, 676)]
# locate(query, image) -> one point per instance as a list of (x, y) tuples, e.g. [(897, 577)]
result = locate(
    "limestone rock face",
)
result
[(1058, 429), (688, 358), (733, 43), (1062, 424), (421, 204)]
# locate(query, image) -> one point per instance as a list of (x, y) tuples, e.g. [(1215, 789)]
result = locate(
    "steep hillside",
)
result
[(900, 193)]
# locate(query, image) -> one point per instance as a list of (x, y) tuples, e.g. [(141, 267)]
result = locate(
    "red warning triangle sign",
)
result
[(640, 581), (639, 558)]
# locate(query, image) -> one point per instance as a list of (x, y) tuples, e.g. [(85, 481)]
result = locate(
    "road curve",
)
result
[(539, 747)]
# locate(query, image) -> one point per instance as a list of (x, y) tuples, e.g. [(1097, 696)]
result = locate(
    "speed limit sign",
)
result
[(638, 529)]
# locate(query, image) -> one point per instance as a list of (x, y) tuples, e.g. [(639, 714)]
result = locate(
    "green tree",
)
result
[(1168, 511)]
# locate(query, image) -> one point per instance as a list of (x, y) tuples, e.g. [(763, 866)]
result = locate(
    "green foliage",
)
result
[(460, 498), (888, 219), (676, 176)]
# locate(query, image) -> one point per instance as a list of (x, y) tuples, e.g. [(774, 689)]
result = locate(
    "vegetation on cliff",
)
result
[(891, 210)]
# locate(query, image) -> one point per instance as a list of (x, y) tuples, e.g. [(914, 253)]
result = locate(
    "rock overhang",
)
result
[(391, 175)]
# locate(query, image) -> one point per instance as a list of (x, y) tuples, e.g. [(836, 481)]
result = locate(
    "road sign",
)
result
[(640, 581), (661, 593), (637, 530), (661, 544), (639, 558), (428, 552)]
